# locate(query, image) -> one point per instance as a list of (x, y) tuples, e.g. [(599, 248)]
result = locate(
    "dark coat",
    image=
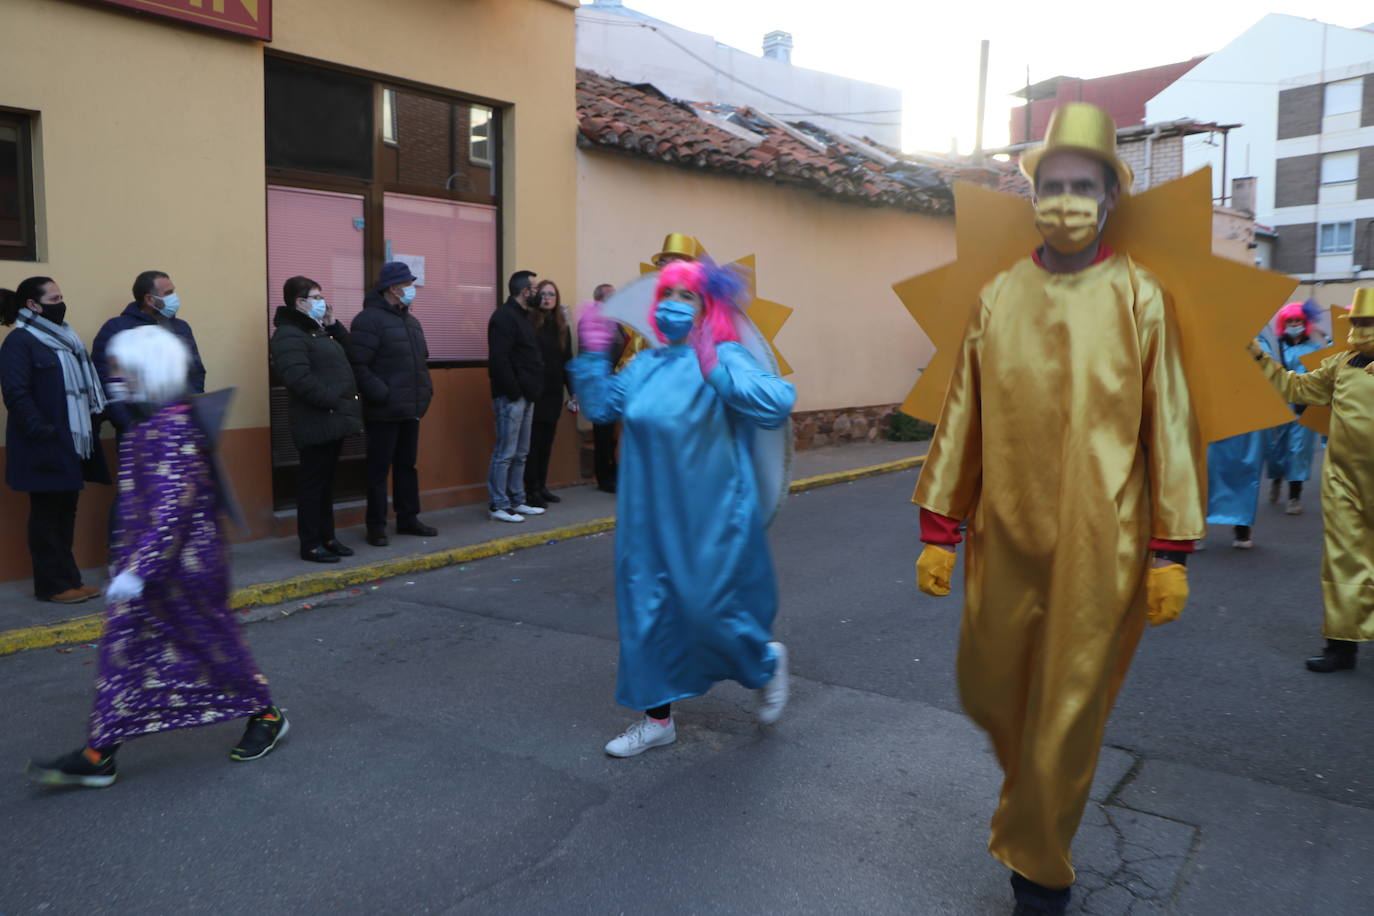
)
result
[(555, 349), (39, 454), (514, 362), (311, 363), (134, 316), (390, 361)]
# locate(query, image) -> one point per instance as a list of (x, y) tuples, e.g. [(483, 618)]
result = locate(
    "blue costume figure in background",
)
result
[(1288, 448), (1233, 484), (695, 591)]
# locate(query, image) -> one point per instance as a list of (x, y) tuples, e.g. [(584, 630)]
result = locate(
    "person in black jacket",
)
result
[(555, 348), (390, 361), (309, 353), (155, 302), (517, 379), (53, 394)]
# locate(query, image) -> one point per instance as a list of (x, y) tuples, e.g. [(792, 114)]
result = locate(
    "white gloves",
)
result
[(124, 587)]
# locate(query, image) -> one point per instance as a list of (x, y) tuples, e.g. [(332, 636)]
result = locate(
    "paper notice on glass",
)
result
[(416, 263)]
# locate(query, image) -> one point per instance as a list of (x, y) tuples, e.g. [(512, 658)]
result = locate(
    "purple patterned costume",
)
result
[(175, 656)]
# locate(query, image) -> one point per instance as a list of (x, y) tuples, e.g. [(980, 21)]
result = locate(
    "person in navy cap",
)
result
[(390, 360)]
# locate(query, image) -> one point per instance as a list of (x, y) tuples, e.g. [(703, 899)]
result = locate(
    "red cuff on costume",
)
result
[(939, 529), (1181, 546)]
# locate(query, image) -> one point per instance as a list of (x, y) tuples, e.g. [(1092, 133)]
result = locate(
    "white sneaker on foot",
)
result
[(1245, 544), (641, 736), (506, 515), (1294, 507), (528, 510), (773, 695)]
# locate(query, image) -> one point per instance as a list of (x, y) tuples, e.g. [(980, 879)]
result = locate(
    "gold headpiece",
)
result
[(1081, 128), (675, 243), (1363, 306)]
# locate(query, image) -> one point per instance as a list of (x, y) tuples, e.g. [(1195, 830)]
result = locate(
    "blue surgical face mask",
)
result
[(171, 303), (1294, 332), (674, 319), (408, 295), (317, 309)]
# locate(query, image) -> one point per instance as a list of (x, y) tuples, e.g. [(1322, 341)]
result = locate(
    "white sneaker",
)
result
[(505, 515), (528, 510), (641, 736), (1294, 507), (1246, 544), (773, 695)]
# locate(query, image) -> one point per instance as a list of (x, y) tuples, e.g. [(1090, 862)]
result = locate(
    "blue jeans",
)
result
[(506, 475)]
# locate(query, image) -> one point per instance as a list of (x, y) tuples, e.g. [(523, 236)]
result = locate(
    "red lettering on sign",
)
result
[(242, 17)]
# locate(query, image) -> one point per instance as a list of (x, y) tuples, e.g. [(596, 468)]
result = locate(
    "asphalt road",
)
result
[(445, 753)]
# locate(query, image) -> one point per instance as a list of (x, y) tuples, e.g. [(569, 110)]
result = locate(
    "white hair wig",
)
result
[(152, 361)]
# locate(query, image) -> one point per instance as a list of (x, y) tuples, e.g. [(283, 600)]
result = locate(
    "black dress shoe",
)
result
[(319, 555), (417, 528), (551, 497), (608, 488), (1339, 655), (338, 549), (377, 538)]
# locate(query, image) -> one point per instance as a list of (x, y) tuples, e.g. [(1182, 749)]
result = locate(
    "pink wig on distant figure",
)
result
[(1288, 313), (718, 298)]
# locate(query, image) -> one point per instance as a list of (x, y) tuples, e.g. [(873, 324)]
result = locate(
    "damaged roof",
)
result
[(639, 120)]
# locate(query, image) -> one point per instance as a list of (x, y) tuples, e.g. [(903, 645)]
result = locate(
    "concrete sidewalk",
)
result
[(269, 571)]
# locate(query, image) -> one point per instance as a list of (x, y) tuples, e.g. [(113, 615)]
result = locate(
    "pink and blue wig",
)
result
[(1291, 312), (721, 290)]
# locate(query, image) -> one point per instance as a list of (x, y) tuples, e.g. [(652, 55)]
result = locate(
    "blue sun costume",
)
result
[(695, 591)]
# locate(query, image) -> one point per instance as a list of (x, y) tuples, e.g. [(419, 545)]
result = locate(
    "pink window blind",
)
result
[(317, 234), (455, 243)]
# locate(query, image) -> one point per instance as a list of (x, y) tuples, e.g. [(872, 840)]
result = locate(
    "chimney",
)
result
[(1243, 195), (777, 45)]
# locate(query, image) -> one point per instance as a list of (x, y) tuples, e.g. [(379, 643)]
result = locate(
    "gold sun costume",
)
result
[(1068, 442), (1343, 382)]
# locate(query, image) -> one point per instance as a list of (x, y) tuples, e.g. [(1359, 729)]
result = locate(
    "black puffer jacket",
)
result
[(311, 362), (390, 357)]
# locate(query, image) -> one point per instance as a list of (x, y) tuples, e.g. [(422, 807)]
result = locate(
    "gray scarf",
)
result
[(85, 396)]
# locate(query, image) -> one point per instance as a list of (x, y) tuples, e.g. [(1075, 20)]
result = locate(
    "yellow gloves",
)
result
[(1255, 350), (1166, 592), (934, 568)]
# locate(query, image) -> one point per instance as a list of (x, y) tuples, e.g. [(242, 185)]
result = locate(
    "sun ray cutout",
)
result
[(1216, 303)]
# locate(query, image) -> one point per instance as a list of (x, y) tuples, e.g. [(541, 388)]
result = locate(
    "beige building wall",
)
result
[(150, 150), (849, 340), (150, 154)]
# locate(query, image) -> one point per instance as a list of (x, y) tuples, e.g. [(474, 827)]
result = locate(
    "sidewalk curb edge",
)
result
[(87, 628)]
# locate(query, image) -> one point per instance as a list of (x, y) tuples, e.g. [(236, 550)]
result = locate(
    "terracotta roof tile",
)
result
[(640, 120)]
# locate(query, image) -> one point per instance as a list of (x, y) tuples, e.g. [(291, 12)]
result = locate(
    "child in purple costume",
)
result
[(173, 654)]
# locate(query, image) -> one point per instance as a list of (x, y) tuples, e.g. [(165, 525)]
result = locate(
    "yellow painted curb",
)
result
[(88, 628)]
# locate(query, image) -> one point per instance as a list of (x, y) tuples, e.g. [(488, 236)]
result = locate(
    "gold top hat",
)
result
[(1363, 306), (1082, 128), (675, 243)]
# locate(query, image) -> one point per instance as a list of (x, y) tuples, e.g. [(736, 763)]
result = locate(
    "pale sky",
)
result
[(930, 50)]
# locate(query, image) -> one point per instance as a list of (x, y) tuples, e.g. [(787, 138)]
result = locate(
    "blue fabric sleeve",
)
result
[(749, 391), (600, 393)]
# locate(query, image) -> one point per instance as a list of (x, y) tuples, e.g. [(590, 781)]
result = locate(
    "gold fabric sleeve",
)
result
[(1312, 388), (1168, 430), (953, 470)]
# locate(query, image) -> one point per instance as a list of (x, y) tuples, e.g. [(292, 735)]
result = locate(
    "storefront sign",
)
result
[(242, 17)]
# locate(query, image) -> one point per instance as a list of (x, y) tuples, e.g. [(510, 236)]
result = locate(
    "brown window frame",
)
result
[(26, 249)]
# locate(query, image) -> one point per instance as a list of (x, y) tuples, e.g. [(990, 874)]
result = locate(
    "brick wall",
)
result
[(1364, 244), (1166, 161), (1364, 184), (1296, 180), (1367, 101), (1295, 252), (422, 134), (1300, 111)]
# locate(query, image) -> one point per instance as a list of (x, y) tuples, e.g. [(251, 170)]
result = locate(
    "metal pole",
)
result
[(982, 101), (1225, 156), (1027, 137)]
